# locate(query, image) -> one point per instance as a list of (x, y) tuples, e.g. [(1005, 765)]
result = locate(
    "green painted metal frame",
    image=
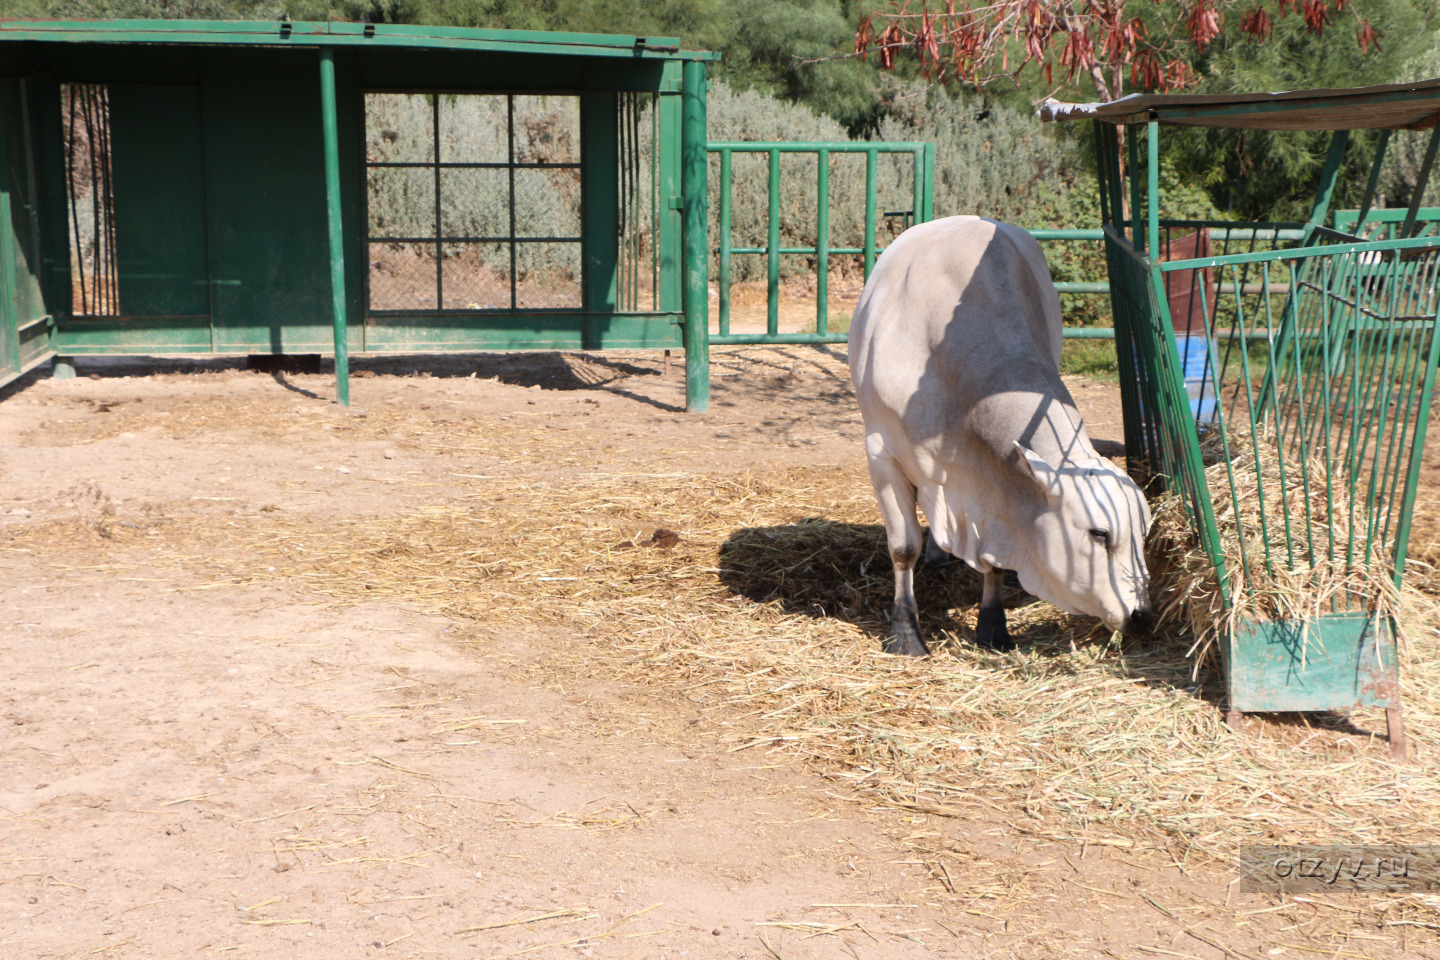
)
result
[(324, 183), (1341, 405), (923, 210)]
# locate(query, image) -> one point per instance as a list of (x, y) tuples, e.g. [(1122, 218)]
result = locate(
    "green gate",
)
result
[(1286, 404), (871, 224)]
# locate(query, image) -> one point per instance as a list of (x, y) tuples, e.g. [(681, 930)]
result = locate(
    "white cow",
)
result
[(955, 355)]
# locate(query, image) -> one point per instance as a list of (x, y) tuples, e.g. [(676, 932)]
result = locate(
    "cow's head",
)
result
[(1088, 552)]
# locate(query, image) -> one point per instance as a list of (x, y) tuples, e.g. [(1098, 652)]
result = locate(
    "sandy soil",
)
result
[(196, 766)]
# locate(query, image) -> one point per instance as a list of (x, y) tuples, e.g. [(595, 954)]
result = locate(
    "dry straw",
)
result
[(770, 608), (1295, 547)]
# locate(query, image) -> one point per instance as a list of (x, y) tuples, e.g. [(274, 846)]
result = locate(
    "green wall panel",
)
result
[(265, 182), (401, 333), (158, 169), (101, 335), (21, 303)]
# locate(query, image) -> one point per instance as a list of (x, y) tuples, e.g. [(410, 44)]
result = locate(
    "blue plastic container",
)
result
[(1199, 378)]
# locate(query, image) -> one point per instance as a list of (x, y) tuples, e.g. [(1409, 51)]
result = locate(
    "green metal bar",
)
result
[(1152, 189), (1302, 253), (929, 213), (726, 199), (772, 266), (1093, 233), (797, 146), (1421, 182), (1132, 149), (1373, 181), (693, 175), (780, 339), (1110, 138), (1339, 140), (917, 189), (822, 242), (870, 158), (1417, 451), (337, 230), (312, 34)]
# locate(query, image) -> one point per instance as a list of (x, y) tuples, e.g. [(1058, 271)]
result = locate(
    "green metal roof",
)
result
[(272, 33), (1411, 106)]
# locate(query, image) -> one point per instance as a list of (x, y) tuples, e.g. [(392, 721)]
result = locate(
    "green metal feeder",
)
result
[(1279, 381)]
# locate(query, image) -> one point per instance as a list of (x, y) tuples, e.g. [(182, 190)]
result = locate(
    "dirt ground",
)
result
[(203, 764)]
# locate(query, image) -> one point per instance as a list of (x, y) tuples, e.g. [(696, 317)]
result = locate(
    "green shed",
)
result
[(232, 187)]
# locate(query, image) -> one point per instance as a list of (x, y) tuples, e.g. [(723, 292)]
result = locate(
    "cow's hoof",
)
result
[(990, 632), (904, 639)]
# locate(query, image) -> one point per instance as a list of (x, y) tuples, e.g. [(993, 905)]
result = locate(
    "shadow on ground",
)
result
[(832, 570), (827, 569)]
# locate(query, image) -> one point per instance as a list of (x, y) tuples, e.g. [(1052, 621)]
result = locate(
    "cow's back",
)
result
[(956, 311)]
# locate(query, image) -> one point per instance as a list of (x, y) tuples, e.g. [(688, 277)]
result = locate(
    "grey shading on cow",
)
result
[(955, 356)]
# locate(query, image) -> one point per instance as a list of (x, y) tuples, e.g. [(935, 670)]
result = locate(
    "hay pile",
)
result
[(1294, 547)]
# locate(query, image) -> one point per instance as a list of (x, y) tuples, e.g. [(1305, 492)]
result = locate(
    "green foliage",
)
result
[(1265, 175), (1401, 171), (1089, 358)]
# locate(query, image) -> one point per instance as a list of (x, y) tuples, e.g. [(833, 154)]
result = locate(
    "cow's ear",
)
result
[(1046, 476)]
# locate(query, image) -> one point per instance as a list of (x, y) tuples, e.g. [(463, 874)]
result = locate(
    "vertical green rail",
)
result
[(822, 242), (929, 195), (1374, 180), (870, 164), (693, 176), (772, 240), (726, 200), (1152, 190), (337, 233)]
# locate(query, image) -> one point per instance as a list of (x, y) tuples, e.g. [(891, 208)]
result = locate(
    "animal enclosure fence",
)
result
[(1296, 455)]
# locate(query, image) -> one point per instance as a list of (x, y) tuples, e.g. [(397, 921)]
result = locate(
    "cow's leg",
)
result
[(896, 496), (990, 631)]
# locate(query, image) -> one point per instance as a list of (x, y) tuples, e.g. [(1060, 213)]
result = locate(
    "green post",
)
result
[(1372, 182), (1421, 182), (929, 195), (337, 234), (917, 187), (726, 201), (869, 212), (1326, 189), (822, 241), (693, 187), (1152, 190), (772, 246)]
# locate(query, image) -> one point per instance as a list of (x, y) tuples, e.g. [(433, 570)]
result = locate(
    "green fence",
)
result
[(1246, 237), (921, 210)]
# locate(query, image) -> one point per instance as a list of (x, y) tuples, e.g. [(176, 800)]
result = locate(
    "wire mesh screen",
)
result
[(473, 202), (85, 119)]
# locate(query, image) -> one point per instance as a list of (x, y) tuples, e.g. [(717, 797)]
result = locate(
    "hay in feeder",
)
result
[(1296, 542)]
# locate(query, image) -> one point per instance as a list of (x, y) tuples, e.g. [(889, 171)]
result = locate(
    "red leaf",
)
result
[(1316, 13), (1367, 35), (1257, 23)]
